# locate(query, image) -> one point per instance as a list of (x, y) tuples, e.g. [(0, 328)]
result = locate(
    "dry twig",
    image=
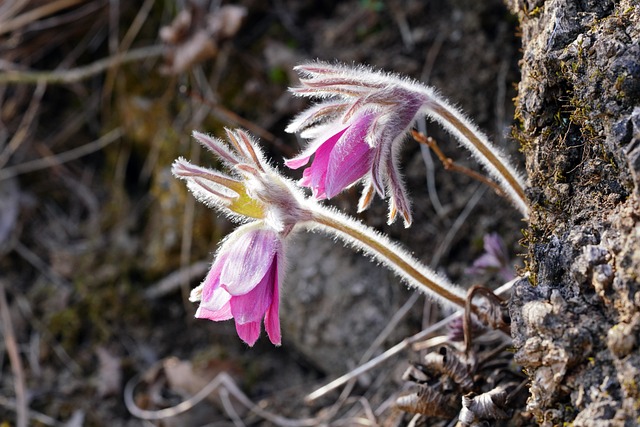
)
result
[(58, 159), (449, 164), (402, 345), (14, 358), (46, 9), (81, 73), (220, 382)]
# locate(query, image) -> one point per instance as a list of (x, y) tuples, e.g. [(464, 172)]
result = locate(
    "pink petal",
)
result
[(217, 309), (248, 332), (298, 161), (351, 158), (303, 157), (214, 303), (353, 166), (314, 178), (272, 317), (212, 281), (315, 175), (315, 145), (252, 306), (249, 257), (487, 261), (494, 245)]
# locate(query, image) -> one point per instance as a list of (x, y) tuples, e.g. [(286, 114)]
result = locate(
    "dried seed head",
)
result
[(427, 401), (448, 363), (485, 406)]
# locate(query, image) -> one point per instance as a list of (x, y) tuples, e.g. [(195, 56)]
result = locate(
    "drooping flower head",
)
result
[(355, 131), (245, 277), (361, 108)]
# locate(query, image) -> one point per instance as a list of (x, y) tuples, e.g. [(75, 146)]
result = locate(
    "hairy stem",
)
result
[(477, 143), (388, 253)]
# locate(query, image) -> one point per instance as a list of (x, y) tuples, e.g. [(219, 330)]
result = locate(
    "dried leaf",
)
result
[(429, 402), (447, 362), (196, 38), (109, 373), (485, 406)]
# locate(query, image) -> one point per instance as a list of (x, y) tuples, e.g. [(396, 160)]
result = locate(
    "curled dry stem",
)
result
[(494, 315)]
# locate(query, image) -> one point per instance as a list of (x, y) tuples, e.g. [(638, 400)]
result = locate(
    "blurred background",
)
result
[(100, 245)]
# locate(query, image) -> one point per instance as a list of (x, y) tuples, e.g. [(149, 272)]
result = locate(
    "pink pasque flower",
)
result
[(244, 283), (340, 160), (356, 131), (346, 93), (244, 280), (494, 259)]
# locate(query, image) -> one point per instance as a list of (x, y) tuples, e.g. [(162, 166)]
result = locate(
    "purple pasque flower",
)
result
[(244, 283), (494, 259), (339, 161), (356, 131)]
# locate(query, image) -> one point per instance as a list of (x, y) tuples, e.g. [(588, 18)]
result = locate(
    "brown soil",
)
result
[(88, 243)]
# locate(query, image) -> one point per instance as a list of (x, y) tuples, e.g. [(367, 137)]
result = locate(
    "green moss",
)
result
[(535, 12), (630, 386), (620, 94), (374, 5), (66, 326), (95, 313), (278, 75)]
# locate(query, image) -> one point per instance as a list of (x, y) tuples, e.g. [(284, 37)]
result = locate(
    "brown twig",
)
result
[(221, 381), (401, 346), (130, 35), (450, 165), (176, 279), (57, 159), (34, 14), (14, 357), (25, 126), (77, 74)]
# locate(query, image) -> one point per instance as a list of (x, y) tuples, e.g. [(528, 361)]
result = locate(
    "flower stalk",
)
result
[(244, 280), (486, 153), (400, 261)]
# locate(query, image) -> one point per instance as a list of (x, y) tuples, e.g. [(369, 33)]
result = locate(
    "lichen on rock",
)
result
[(577, 104)]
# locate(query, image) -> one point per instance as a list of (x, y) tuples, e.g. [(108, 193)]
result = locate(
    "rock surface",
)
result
[(576, 322)]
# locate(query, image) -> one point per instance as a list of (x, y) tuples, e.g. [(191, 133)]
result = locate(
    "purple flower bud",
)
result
[(494, 259)]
